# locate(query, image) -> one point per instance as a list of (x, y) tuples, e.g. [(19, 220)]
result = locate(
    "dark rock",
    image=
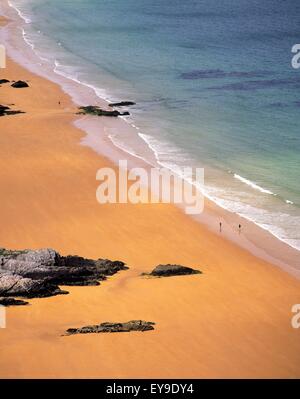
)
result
[(133, 325), (8, 301), (37, 273), (19, 84), (15, 285), (12, 113), (4, 110), (2, 81), (94, 110), (122, 104), (172, 270), (85, 283)]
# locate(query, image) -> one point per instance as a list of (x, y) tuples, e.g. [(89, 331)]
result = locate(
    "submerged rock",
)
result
[(133, 325), (122, 104), (172, 270), (12, 302), (37, 273), (19, 84), (2, 81), (95, 110)]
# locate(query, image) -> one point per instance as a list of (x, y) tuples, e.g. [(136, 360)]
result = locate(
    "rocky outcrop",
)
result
[(4, 110), (2, 81), (19, 84), (122, 104), (94, 110), (38, 273), (133, 325), (16, 285), (12, 302), (172, 270)]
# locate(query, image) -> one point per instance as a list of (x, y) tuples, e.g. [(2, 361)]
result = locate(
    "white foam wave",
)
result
[(33, 47), (64, 70), (125, 147), (253, 185), (26, 19), (173, 158), (168, 157), (164, 151), (289, 202), (24, 34), (258, 216)]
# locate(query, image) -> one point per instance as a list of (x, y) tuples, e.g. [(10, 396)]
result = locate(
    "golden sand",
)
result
[(234, 320)]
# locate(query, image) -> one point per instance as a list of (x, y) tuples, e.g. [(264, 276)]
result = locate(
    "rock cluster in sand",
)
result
[(133, 325), (38, 273)]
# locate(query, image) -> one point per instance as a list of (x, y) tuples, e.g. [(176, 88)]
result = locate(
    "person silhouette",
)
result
[(240, 228), (220, 227)]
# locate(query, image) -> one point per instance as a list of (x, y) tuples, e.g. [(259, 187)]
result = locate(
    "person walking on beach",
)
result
[(220, 227), (240, 228)]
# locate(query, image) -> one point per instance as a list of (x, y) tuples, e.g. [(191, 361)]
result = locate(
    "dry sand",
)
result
[(234, 320)]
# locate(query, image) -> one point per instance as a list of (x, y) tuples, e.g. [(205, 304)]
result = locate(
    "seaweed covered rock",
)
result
[(95, 110), (19, 84), (37, 273), (133, 325), (173, 270), (2, 81)]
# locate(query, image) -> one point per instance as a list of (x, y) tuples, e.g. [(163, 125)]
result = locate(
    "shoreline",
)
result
[(273, 250), (49, 184)]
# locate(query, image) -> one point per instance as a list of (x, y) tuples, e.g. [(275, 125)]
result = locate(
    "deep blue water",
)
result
[(213, 83)]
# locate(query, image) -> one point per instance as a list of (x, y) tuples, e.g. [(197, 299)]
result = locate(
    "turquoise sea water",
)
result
[(213, 83)]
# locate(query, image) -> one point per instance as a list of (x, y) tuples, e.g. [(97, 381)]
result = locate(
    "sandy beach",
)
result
[(234, 320)]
